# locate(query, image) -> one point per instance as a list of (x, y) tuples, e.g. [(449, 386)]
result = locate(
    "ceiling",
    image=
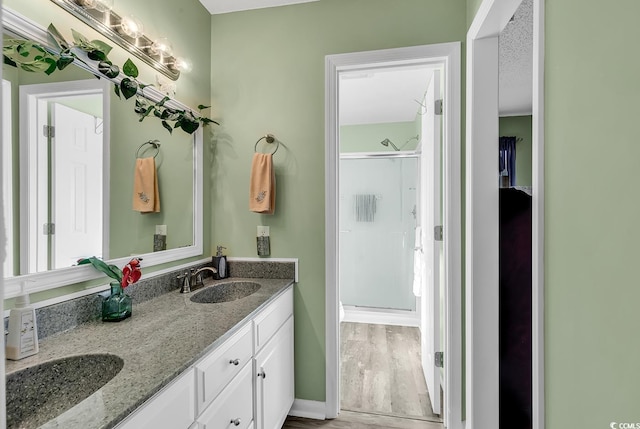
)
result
[(382, 95), (389, 95), (516, 63), (225, 6)]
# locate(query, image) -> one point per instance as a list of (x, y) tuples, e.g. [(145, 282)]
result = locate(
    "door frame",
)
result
[(447, 54), (481, 248)]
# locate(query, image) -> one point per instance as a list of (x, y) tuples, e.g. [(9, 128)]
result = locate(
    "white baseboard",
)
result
[(308, 409), (381, 316)]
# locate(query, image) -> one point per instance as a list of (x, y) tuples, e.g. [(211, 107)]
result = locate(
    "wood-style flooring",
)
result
[(382, 385), (381, 371), (353, 420)]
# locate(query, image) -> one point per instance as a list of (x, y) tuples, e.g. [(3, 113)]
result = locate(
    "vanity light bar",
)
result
[(127, 32)]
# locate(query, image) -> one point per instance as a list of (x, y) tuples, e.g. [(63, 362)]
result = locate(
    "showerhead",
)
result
[(387, 142)]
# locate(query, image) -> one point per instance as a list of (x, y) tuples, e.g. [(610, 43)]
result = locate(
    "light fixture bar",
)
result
[(107, 22)]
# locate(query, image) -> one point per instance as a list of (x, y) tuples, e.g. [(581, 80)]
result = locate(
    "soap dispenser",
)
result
[(220, 264), (22, 340)]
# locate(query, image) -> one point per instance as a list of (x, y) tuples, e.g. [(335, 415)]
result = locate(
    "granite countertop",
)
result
[(164, 337)]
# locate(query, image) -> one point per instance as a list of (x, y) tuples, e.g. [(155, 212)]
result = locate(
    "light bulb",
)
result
[(162, 47), (182, 64), (87, 4), (131, 26)]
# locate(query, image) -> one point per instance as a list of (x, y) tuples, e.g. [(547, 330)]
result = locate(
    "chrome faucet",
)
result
[(196, 276), (186, 282)]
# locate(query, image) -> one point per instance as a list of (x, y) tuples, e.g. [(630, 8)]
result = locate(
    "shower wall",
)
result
[(377, 223)]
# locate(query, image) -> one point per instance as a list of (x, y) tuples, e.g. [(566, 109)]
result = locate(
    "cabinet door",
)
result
[(274, 387), (173, 407)]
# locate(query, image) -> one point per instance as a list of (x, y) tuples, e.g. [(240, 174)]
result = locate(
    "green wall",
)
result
[(591, 183), (184, 24), (520, 126), (367, 137), (268, 76)]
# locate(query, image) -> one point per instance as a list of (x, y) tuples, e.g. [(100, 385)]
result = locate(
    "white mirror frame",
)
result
[(16, 23)]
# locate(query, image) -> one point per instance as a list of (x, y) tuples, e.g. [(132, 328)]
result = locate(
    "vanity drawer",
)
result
[(233, 405), (272, 317), (215, 371)]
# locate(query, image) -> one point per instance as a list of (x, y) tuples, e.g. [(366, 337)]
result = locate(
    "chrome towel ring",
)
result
[(269, 138), (154, 143)]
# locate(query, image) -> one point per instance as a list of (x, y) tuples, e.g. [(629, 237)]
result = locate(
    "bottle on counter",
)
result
[(220, 264), (22, 340)]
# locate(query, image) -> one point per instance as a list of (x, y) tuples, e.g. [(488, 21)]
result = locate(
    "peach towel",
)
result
[(146, 198), (262, 187)]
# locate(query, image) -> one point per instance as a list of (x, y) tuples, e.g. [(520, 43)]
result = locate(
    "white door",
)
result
[(430, 209), (77, 186)]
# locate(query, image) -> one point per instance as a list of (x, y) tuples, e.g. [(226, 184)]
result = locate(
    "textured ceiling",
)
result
[(516, 63), (225, 6), (382, 95)]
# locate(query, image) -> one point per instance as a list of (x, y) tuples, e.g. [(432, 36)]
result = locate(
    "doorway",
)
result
[(444, 57), (63, 157)]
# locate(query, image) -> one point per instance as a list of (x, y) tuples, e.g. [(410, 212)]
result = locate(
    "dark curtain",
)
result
[(507, 158)]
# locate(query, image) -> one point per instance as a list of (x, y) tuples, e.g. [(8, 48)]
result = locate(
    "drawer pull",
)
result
[(236, 422), (262, 374), (235, 362)]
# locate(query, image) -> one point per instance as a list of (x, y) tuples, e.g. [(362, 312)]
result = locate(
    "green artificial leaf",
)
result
[(128, 87), (110, 270), (102, 47), (116, 89), (9, 61), (79, 38), (166, 125), (206, 121), (64, 61), (108, 69), (164, 100), (143, 85), (130, 69), (52, 63), (97, 55), (188, 124), (146, 113), (202, 106), (56, 38)]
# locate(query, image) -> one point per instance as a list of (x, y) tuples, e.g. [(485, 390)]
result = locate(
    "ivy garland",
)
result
[(32, 57)]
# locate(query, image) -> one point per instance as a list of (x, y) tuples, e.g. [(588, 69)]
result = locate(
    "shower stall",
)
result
[(378, 211)]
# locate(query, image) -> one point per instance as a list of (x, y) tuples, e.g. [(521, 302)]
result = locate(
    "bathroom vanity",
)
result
[(186, 364)]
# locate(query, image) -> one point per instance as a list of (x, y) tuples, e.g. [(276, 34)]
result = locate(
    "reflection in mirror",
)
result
[(69, 189)]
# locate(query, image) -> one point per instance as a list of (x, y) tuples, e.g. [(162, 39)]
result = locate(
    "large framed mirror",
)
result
[(68, 172)]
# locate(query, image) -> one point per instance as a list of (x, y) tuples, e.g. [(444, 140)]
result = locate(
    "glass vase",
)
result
[(117, 306)]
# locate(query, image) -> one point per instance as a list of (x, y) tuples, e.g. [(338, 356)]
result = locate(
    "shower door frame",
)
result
[(446, 55)]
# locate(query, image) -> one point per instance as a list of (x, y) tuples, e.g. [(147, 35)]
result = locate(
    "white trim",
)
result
[(375, 316), (447, 55), (482, 214), (15, 22), (308, 409), (537, 213), (98, 289), (3, 408), (294, 260)]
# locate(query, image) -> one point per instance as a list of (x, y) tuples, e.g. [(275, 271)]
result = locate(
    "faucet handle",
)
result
[(186, 282)]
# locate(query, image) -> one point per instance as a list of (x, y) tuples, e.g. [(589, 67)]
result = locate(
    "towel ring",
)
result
[(269, 138), (154, 143)]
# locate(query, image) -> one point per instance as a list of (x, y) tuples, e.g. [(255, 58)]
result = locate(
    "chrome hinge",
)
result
[(439, 359), (49, 131), (438, 107), (49, 228), (438, 233)]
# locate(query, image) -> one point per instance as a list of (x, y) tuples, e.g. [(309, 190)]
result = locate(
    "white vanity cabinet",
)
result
[(245, 383), (173, 407)]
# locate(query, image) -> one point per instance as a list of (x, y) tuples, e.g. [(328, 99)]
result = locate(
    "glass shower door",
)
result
[(377, 222)]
